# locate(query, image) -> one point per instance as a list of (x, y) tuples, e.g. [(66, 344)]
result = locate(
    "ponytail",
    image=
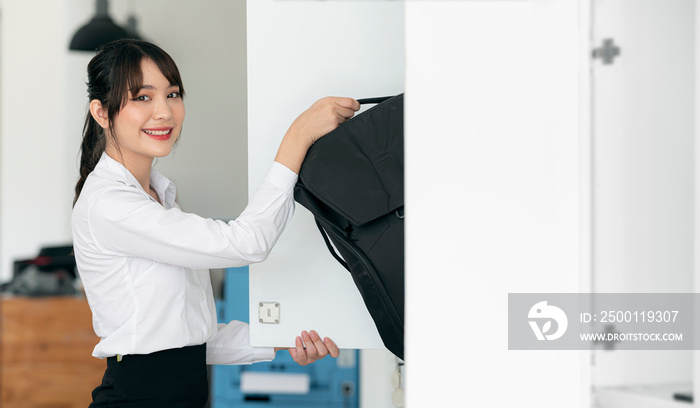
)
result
[(90, 151)]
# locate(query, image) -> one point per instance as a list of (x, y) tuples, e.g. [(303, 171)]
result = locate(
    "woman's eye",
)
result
[(175, 94), (141, 98)]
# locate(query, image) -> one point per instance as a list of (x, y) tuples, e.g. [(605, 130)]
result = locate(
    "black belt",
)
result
[(176, 357)]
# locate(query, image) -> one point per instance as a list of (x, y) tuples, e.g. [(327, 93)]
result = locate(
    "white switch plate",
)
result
[(269, 312)]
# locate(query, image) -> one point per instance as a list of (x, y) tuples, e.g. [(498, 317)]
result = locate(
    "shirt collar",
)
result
[(111, 169)]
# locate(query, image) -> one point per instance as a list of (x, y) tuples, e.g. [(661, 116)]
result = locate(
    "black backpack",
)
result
[(352, 182)]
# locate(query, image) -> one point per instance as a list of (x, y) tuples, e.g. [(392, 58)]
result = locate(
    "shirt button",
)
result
[(203, 296)]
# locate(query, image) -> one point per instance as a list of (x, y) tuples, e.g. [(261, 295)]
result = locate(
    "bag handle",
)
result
[(374, 100), (330, 247)]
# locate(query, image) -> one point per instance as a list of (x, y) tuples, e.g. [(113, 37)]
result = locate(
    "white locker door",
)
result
[(492, 152), (299, 52), (643, 164)]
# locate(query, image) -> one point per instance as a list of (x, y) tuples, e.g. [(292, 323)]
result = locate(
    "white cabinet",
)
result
[(299, 52), (643, 181)]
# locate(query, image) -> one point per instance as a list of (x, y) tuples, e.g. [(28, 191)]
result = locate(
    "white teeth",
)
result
[(157, 132)]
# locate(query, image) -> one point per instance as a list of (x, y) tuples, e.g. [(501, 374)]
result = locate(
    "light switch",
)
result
[(269, 312)]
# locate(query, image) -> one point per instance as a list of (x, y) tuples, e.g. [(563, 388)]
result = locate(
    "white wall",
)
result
[(492, 188), (44, 105), (34, 199), (207, 39)]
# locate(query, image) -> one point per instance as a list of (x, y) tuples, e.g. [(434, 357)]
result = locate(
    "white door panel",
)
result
[(299, 52), (643, 165)]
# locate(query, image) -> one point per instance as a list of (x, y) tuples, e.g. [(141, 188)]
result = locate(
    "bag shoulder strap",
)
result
[(330, 247)]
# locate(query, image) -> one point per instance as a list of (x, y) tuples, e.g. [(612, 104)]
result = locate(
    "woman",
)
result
[(144, 262)]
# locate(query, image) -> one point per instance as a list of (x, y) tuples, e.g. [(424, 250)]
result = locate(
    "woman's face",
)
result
[(150, 122)]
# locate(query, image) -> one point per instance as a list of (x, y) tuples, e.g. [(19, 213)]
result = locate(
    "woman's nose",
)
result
[(162, 109)]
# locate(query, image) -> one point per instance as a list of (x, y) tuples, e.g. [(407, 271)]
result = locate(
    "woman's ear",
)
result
[(99, 114)]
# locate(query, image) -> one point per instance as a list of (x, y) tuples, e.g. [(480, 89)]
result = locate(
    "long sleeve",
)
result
[(124, 224), (231, 345)]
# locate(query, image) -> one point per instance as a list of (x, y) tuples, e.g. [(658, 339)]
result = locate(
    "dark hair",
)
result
[(113, 74)]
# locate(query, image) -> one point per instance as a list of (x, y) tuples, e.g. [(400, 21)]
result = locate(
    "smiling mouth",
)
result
[(161, 134)]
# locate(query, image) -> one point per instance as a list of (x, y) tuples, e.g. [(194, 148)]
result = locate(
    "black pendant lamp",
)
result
[(99, 31)]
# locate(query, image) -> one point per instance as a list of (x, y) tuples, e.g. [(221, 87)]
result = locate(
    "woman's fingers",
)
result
[(344, 114), (325, 115), (347, 103), (311, 351), (333, 350), (298, 353), (341, 109), (310, 347), (321, 350), (340, 101), (346, 106)]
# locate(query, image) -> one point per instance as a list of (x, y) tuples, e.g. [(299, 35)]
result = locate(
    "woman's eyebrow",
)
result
[(152, 88)]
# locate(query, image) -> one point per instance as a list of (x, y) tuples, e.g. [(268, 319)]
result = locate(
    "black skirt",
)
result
[(175, 378)]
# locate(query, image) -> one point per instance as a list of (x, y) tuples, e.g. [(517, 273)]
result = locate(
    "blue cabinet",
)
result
[(332, 382)]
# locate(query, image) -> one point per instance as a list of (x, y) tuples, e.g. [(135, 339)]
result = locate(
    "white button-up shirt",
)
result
[(144, 266)]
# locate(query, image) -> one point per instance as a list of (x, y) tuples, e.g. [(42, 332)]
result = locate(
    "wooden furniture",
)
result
[(46, 353)]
